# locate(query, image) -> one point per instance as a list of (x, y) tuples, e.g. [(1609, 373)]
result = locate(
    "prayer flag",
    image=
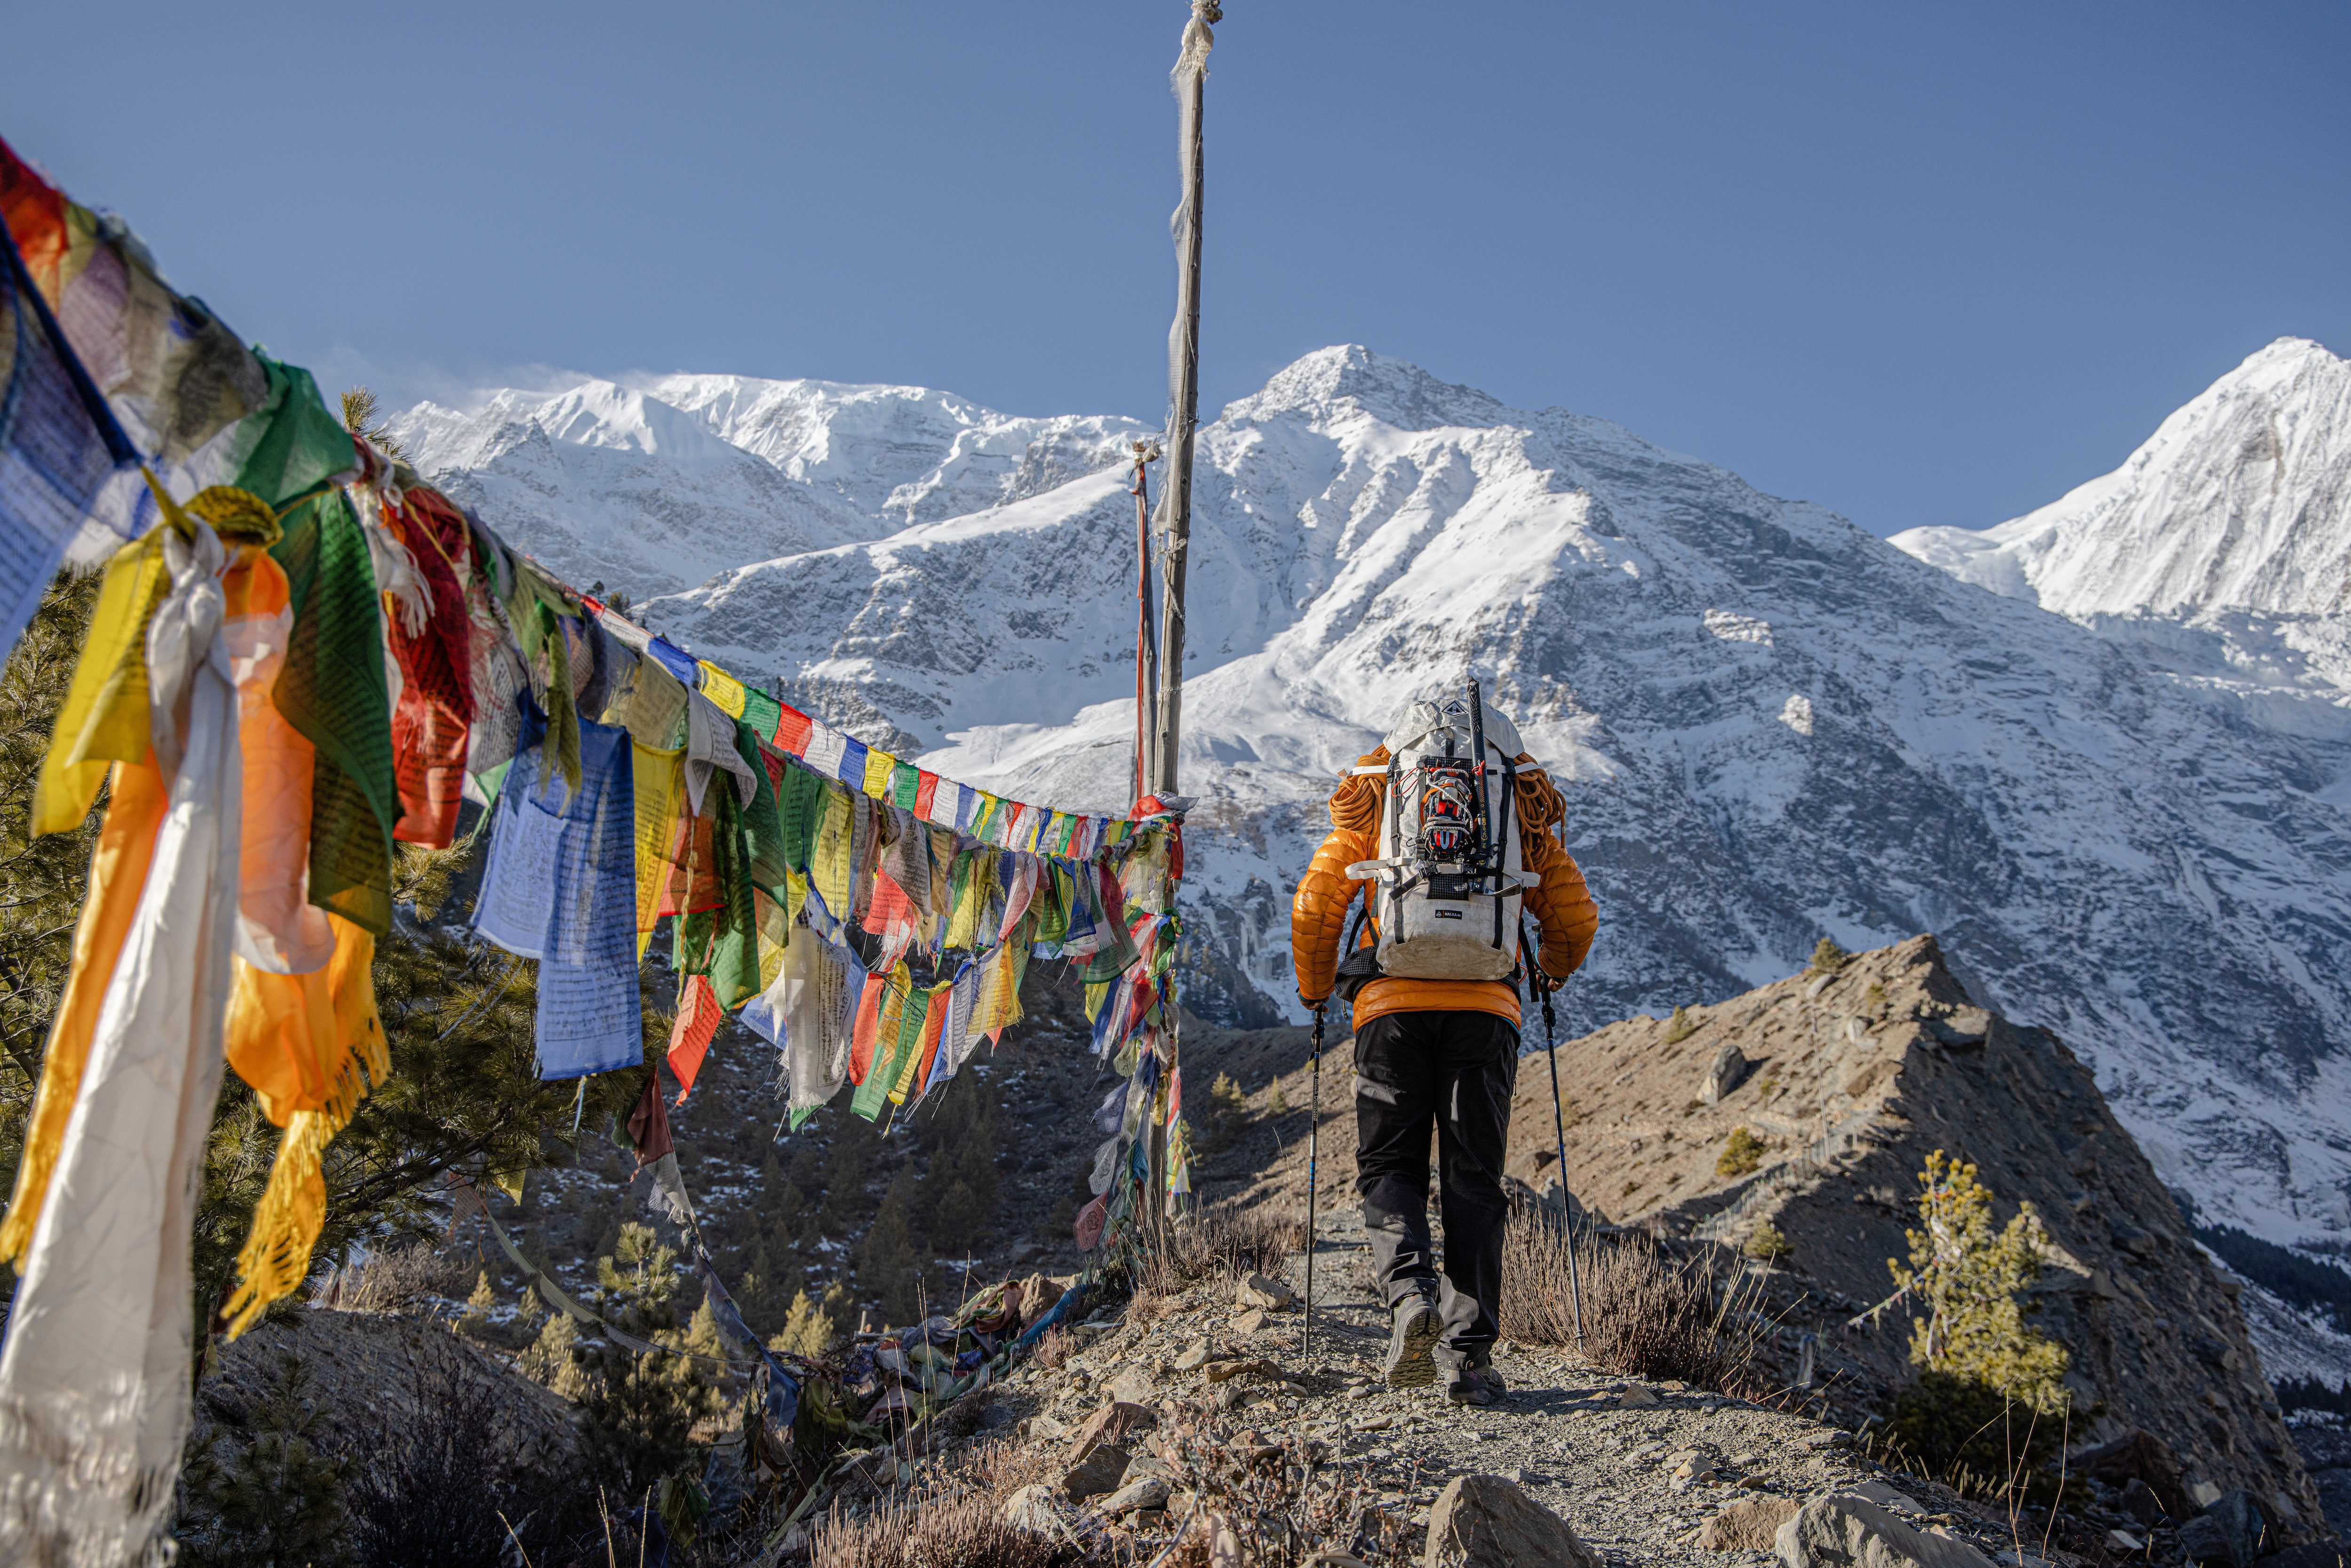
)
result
[(60, 446), (792, 731), (722, 689)]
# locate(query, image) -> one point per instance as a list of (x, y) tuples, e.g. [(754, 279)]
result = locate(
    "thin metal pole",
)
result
[(1543, 989), (1559, 1120), (1314, 1150), (1190, 79)]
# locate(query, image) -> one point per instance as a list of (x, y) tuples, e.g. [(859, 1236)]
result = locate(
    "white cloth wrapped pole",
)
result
[(95, 1376)]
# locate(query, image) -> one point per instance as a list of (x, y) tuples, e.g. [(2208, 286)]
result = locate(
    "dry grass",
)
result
[(397, 1278), (1055, 1346), (967, 1531), (1646, 1313), (1148, 1307), (1226, 1243)]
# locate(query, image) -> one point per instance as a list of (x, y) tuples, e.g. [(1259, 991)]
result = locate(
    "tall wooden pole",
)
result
[(1184, 394), (1146, 659)]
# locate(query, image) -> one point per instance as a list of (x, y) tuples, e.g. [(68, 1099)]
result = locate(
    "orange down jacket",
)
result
[(1559, 900)]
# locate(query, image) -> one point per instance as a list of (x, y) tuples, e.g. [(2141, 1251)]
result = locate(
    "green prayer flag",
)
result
[(333, 690), (297, 445)]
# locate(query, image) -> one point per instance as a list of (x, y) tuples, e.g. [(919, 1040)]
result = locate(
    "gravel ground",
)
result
[(1599, 1450)]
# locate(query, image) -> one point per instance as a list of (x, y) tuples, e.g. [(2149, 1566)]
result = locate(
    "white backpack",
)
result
[(1446, 886)]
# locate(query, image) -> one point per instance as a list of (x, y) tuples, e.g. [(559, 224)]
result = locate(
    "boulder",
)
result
[(1193, 1355), (2233, 1531), (1226, 1371), (1038, 1295), (1249, 1321), (1843, 1530), (1131, 1385), (2138, 1456), (2317, 1554), (1265, 1290), (1749, 1526), (1039, 1511), (1729, 1071), (1114, 1423), (1484, 1521), (1097, 1470), (1151, 1491), (1638, 1397)]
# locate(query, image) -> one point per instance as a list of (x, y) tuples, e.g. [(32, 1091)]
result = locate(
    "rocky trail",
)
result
[(1174, 1410)]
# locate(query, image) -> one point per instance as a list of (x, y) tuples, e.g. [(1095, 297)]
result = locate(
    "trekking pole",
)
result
[(1314, 1148), (1536, 978), (1559, 1120)]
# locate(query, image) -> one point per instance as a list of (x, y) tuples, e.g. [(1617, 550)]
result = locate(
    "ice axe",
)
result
[(1543, 986)]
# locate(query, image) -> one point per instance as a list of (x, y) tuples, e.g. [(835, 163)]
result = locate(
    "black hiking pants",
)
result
[(1454, 1070)]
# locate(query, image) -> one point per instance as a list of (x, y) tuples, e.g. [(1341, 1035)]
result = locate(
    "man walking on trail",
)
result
[(1444, 853)]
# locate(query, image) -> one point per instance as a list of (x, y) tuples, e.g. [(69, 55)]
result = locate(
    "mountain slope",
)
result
[(1770, 725), (658, 487), (2241, 500)]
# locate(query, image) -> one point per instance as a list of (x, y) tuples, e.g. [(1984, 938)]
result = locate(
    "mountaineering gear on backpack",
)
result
[(1450, 871), (1552, 890)]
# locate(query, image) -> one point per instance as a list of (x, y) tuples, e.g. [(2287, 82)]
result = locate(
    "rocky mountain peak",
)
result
[(2240, 500)]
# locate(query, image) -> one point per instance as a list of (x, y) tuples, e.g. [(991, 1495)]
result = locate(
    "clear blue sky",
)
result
[(1921, 263)]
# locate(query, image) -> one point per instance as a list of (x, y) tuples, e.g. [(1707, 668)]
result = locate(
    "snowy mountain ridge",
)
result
[(1770, 725), (662, 486), (2241, 500)]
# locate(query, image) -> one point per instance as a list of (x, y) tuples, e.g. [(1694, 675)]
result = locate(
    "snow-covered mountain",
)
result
[(2239, 501), (659, 487), (1772, 725)]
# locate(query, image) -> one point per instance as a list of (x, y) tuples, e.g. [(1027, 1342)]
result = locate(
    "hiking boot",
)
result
[(1418, 1329), (1479, 1384)]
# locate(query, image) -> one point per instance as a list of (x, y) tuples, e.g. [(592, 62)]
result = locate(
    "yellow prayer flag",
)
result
[(722, 689), (878, 764), (829, 867), (105, 717), (660, 780)]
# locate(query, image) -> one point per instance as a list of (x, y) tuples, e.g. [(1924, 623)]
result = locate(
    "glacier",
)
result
[(1772, 725)]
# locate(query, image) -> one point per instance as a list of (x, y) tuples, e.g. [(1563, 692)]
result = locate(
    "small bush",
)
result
[(476, 1319), (1680, 1027), (1767, 1243), (1828, 958), (968, 1532), (1873, 999), (1968, 1277), (1277, 1104), (1645, 1315), (1055, 1346), (394, 1277), (1742, 1153), (1225, 1243), (424, 1498), (1221, 1123)]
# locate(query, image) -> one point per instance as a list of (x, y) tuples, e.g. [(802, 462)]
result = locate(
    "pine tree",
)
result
[(848, 1165), (1969, 1277), (550, 1359), (808, 1328), (275, 1500), (641, 1408), (890, 1272), (476, 1315)]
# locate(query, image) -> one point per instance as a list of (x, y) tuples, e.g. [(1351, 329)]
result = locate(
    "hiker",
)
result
[(1426, 842)]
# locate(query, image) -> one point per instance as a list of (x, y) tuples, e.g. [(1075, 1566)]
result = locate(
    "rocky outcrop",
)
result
[(1856, 1075)]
